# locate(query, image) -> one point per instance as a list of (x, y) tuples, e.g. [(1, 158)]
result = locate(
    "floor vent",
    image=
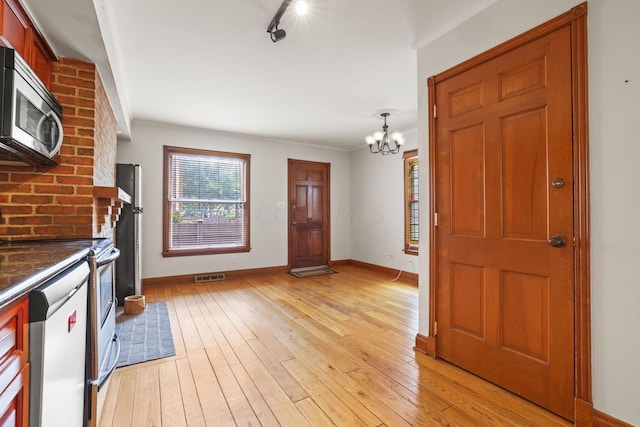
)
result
[(214, 277)]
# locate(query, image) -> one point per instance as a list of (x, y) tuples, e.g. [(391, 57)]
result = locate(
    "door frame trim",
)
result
[(576, 19), (328, 219)]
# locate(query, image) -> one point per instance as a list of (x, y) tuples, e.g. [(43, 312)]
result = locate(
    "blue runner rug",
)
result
[(145, 336)]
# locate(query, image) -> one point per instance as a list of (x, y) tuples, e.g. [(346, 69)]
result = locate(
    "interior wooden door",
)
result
[(308, 214), (504, 201)]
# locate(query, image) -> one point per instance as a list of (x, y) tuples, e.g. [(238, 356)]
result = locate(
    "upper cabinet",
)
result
[(18, 32)]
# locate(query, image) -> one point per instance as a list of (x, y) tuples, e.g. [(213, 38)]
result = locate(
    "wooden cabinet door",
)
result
[(308, 214), (505, 295), (40, 58), (15, 26)]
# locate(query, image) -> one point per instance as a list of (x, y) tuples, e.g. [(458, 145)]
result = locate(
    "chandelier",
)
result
[(384, 142)]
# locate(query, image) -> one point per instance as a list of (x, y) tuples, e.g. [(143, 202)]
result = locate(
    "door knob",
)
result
[(557, 241)]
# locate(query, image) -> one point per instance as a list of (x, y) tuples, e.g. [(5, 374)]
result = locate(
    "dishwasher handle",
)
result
[(47, 298)]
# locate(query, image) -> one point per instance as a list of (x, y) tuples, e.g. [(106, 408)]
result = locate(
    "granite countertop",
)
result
[(26, 264)]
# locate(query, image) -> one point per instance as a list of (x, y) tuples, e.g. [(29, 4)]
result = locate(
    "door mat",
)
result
[(312, 272), (145, 336)]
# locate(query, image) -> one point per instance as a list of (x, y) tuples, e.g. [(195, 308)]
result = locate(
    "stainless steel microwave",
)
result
[(30, 127)]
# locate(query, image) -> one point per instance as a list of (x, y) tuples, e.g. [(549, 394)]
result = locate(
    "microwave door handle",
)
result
[(60, 133)]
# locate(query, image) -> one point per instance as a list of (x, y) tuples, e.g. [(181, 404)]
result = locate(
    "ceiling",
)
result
[(211, 64)]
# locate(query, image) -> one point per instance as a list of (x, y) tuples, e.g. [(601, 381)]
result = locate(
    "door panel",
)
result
[(308, 214), (504, 296)]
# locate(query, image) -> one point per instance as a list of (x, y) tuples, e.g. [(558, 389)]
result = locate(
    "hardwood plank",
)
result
[(105, 418), (124, 403), (236, 400), (170, 395), (190, 399), (313, 413), (212, 401), (146, 403)]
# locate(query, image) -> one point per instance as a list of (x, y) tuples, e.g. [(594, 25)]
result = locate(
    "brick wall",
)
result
[(57, 202)]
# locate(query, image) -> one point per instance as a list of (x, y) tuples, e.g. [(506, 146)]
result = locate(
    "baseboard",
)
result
[(190, 278), (409, 277), (600, 419), (425, 345)]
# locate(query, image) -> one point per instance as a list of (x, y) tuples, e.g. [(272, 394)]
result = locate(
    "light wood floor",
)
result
[(275, 350)]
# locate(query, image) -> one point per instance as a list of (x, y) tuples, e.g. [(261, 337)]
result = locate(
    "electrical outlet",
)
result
[(232, 259)]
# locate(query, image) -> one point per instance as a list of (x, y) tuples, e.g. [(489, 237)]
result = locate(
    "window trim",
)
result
[(411, 247), (166, 211)]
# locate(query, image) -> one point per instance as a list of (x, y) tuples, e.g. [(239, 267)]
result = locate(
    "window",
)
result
[(411, 220), (206, 208)]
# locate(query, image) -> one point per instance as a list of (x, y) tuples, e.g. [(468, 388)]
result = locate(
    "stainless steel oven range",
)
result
[(103, 343)]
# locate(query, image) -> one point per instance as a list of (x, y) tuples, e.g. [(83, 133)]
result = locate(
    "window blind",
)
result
[(207, 201)]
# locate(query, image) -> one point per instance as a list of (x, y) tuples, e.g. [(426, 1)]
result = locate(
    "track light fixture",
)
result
[(276, 33), (272, 29)]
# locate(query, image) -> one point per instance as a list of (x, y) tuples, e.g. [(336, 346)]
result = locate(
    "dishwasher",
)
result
[(57, 348)]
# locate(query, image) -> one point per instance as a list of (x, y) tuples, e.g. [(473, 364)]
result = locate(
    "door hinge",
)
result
[(435, 111), (435, 219), (435, 328)]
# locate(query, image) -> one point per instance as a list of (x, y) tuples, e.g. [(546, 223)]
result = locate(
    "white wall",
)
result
[(377, 207), (615, 147), (268, 194)]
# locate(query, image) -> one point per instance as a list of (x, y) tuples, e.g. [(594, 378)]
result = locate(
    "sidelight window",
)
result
[(411, 211), (206, 202)]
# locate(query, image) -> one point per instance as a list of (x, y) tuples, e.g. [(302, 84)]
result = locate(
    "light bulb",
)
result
[(302, 7), (370, 140), (377, 135)]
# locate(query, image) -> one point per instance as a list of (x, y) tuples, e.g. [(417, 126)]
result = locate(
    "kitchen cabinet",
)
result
[(18, 32), (14, 366)]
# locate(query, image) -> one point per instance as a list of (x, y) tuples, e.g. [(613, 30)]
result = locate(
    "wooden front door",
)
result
[(504, 201), (308, 214)]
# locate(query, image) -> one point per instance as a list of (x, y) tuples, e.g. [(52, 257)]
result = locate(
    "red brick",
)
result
[(86, 93), (77, 160), (65, 170), (30, 220), (53, 189), (75, 101), (74, 200), (86, 132), (85, 151), (87, 74), (74, 180), (78, 121), (13, 188), (17, 210), (54, 231), (72, 220), (31, 177), (15, 231), (84, 170), (84, 210), (84, 190), (76, 82), (55, 210), (58, 89), (31, 199)]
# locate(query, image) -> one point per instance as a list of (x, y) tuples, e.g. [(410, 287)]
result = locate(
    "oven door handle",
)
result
[(115, 253)]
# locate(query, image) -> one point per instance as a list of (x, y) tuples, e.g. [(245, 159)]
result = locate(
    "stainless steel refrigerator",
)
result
[(129, 233)]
